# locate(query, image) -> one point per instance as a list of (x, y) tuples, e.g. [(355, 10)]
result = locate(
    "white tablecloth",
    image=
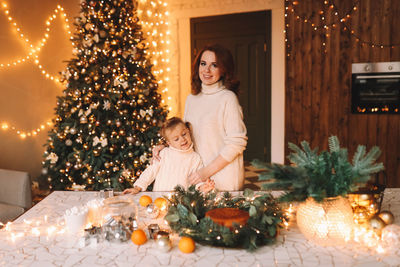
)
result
[(37, 239)]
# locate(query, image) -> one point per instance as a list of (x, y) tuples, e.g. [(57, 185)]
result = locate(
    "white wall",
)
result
[(181, 12)]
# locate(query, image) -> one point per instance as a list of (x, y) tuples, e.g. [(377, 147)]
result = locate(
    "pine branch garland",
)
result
[(187, 209), (328, 174)]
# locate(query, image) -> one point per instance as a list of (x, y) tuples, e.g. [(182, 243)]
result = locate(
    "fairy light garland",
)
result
[(328, 26), (34, 56), (34, 50), (155, 25), (154, 18)]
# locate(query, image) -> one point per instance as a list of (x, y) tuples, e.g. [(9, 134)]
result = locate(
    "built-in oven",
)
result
[(375, 88)]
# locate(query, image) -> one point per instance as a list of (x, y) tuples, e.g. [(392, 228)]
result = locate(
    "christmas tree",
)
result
[(108, 118)]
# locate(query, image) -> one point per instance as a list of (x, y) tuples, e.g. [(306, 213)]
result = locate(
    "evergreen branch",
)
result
[(334, 144), (358, 155), (327, 174)]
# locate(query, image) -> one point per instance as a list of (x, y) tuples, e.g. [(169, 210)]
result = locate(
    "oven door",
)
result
[(376, 92)]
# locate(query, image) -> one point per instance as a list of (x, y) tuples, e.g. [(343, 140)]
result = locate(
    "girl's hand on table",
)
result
[(132, 191)]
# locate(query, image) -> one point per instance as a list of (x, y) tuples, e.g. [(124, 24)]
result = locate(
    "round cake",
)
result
[(228, 216)]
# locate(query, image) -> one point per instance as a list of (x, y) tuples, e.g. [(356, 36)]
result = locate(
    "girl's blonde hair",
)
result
[(171, 124)]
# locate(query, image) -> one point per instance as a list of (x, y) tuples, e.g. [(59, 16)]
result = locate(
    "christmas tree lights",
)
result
[(107, 119)]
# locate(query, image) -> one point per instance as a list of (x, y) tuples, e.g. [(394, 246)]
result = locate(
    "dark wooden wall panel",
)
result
[(318, 77)]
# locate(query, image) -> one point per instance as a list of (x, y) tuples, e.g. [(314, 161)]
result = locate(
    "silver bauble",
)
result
[(152, 211)]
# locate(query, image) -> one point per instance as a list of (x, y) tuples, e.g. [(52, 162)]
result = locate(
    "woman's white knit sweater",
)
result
[(173, 169), (218, 129)]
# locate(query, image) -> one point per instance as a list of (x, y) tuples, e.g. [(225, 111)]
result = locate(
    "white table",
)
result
[(23, 245)]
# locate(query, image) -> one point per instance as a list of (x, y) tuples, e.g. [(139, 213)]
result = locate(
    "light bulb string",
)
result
[(34, 50), (322, 16), (343, 20)]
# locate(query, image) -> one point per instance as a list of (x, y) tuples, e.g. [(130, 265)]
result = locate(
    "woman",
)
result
[(216, 118)]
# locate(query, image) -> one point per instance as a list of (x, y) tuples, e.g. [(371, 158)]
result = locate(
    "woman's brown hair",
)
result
[(225, 64)]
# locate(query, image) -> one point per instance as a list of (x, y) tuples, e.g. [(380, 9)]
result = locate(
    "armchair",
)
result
[(15, 194)]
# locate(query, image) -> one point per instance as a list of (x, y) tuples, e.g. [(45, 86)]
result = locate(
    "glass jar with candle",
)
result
[(120, 209)]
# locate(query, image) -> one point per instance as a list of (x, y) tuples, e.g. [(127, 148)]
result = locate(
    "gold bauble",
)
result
[(373, 208), (386, 216), (85, 146), (111, 149), (88, 26), (83, 119), (96, 77), (360, 214), (102, 34), (376, 224), (366, 197), (96, 152)]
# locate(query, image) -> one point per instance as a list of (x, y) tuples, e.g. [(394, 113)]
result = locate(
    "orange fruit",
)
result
[(186, 244), (139, 237), (161, 203), (145, 200)]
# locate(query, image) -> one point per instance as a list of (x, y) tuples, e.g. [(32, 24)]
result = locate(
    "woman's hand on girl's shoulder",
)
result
[(156, 153)]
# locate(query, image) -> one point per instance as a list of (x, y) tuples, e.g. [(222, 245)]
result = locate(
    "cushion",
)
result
[(15, 188), (9, 212)]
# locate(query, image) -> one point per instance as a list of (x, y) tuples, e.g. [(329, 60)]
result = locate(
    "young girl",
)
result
[(178, 161)]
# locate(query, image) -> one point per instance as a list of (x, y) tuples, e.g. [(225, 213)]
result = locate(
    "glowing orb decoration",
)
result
[(327, 223)]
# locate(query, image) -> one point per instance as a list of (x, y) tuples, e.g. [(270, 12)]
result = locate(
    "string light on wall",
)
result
[(34, 50), (154, 18), (24, 134), (34, 56), (332, 11)]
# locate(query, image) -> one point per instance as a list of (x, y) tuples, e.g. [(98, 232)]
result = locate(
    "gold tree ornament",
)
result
[(376, 224), (360, 214), (386, 216)]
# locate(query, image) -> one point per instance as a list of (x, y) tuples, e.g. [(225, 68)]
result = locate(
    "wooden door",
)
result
[(248, 37)]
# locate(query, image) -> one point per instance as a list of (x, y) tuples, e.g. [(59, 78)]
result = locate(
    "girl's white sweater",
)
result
[(174, 168)]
